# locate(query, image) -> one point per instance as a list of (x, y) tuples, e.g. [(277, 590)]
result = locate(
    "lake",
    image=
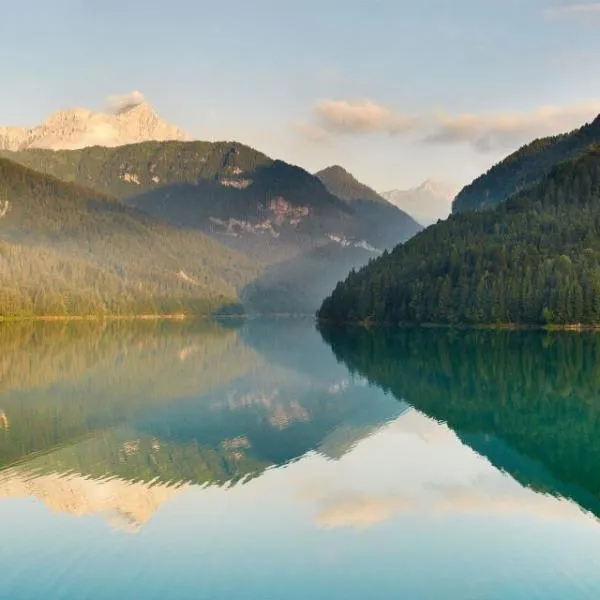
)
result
[(268, 460)]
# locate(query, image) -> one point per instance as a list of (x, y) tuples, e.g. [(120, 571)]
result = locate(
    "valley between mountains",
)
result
[(171, 226), (146, 221)]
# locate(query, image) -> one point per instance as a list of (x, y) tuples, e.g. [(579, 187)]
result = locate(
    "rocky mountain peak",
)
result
[(128, 119)]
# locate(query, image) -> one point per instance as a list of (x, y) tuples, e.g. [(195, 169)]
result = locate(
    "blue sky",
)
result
[(394, 91)]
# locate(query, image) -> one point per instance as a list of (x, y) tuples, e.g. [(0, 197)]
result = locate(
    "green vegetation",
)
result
[(534, 260), (227, 188), (528, 401), (67, 250), (127, 171), (525, 167), (186, 183)]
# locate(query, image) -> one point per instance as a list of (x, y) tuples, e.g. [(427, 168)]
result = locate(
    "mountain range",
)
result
[(429, 202), (188, 225)]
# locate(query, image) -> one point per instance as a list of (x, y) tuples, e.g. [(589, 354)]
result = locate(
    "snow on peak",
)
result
[(430, 201), (439, 189)]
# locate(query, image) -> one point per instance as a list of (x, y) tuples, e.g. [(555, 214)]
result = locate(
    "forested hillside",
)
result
[(534, 259), (345, 186), (298, 236), (525, 167), (126, 171), (267, 208), (67, 250)]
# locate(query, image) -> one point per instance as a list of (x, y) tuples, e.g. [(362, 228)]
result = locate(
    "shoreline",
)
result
[(574, 327), (60, 318), (366, 324)]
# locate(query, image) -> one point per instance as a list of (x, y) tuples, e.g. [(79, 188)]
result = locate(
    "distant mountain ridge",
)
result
[(428, 202), (345, 186), (394, 224), (382, 226), (131, 122)]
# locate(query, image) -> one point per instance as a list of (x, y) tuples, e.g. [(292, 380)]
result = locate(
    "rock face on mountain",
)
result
[(427, 203), (78, 128), (394, 224), (267, 208)]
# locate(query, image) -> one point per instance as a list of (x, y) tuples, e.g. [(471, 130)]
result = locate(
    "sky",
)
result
[(394, 91)]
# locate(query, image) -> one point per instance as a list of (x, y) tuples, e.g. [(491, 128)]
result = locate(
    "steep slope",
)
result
[(131, 121), (65, 249), (393, 225), (525, 167), (277, 290), (345, 186), (535, 259), (427, 203)]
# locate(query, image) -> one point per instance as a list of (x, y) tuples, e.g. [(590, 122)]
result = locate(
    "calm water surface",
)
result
[(267, 460)]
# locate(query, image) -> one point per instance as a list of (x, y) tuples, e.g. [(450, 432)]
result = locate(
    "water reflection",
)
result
[(271, 466), (527, 401), (124, 417)]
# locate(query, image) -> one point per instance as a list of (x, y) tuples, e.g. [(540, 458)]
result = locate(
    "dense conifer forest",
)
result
[(534, 260)]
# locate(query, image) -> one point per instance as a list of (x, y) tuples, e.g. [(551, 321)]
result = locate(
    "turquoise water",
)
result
[(269, 460)]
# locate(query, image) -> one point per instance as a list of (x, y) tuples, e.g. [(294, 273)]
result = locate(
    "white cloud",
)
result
[(574, 10), (361, 511), (117, 103), (333, 119), (341, 117), (507, 130)]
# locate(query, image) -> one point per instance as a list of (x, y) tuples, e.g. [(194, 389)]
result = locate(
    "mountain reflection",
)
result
[(529, 402), (121, 419), (118, 419)]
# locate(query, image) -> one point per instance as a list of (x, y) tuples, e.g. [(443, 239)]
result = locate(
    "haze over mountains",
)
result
[(281, 237), (427, 203), (65, 249)]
